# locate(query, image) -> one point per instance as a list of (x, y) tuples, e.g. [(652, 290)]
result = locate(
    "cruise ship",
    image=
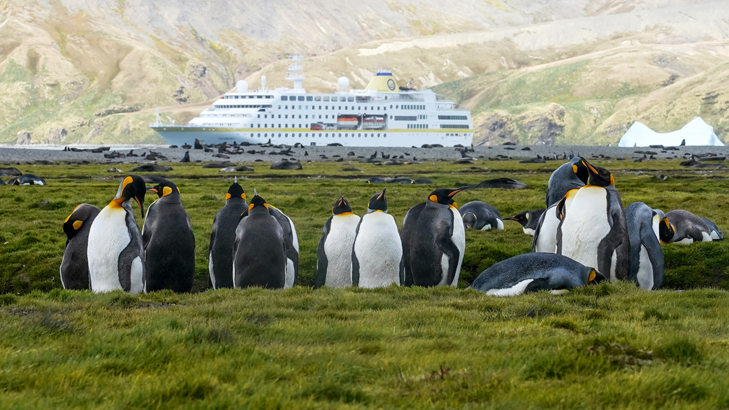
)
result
[(383, 114)]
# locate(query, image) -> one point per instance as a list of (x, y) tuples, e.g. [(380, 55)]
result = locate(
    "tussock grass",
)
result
[(604, 346)]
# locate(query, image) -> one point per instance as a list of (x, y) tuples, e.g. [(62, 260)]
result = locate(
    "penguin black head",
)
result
[(598, 176), (665, 231), (132, 186), (595, 277), (257, 202), (165, 188), (341, 206), (580, 170), (469, 220), (235, 191), (522, 217), (378, 202), (76, 220), (445, 196)]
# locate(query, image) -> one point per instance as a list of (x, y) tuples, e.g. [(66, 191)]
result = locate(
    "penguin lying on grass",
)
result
[(220, 252), (434, 240), (259, 255), (533, 272), (377, 250), (334, 253), (529, 220), (169, 244), (690, 228), (115, 252), (75, 263), (480, 215)]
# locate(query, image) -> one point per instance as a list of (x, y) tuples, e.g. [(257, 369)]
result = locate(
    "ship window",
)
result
[(265, 135), (350, 99), (259, 135), (309, 98), (286, 135), (319, 116), (285, 116), (265, 115), (299, 107), (299, 116), (378, 108), (378, 135), (284, 98), (345, 135), (317, 98), (301, 98), (279, 116), (325, 98), (342, 99), (307, 116), (340, 107)]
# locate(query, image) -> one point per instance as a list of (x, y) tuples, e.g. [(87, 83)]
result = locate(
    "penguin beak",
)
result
[(141, 205), (463, 188), (381, 194)]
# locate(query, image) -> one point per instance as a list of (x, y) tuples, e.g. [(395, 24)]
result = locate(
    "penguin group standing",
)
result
[(583, 236)]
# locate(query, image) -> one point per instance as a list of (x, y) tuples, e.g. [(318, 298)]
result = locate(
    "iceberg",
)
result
[(696, 132)]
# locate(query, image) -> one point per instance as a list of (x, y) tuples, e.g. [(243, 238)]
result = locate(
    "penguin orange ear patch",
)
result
[(77, 225), (574, 168), (243, 195), (592, 276), (127, 181), (250, 206), (166, 191), (227, 196), (433, 198)]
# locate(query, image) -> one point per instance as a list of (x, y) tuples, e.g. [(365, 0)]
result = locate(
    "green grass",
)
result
[(606, 346)]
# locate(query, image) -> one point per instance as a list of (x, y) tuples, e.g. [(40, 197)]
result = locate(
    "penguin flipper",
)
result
[(655, 255), (451, 250), (211, 268), (133, 250), (402, 271), (538, 284), (321, 256)]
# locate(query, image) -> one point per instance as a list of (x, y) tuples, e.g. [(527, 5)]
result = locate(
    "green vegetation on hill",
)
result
[(604, 346)]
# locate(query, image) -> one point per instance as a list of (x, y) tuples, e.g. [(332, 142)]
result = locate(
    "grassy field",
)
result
[(606, 346)]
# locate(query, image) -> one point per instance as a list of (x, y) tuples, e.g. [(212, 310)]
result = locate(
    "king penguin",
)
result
[(220, 252), (75, 264), (480, 215), (529, 220), (334, 253), (291, 243), (377, 250), (531, 272), (169, 244), (563, 183), (646, 255), (259, 255), (690, 228), (437, 241), (593, 230), (115, 252)]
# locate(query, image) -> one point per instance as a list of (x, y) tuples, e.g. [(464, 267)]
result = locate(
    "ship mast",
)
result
[(296, 74)]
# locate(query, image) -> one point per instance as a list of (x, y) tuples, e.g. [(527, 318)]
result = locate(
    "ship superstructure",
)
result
[(382, 114)]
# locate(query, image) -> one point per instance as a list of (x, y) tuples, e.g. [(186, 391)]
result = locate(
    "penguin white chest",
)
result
[(645, 270), (547, 240), (459, 239), (108, 237), (378, 250), (585, 225), (338, 248), (290, 274)]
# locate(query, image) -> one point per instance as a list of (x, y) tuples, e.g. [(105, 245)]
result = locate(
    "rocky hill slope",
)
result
[(76, 71)]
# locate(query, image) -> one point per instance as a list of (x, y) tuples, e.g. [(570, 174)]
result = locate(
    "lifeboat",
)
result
[(347, 122)]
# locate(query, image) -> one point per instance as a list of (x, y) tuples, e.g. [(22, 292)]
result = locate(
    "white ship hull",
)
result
[(180, 135)]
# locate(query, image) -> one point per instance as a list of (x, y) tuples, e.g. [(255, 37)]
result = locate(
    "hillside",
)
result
[(72, 73)]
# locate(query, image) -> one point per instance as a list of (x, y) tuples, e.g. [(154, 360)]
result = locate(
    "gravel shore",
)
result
[(22, 155)]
